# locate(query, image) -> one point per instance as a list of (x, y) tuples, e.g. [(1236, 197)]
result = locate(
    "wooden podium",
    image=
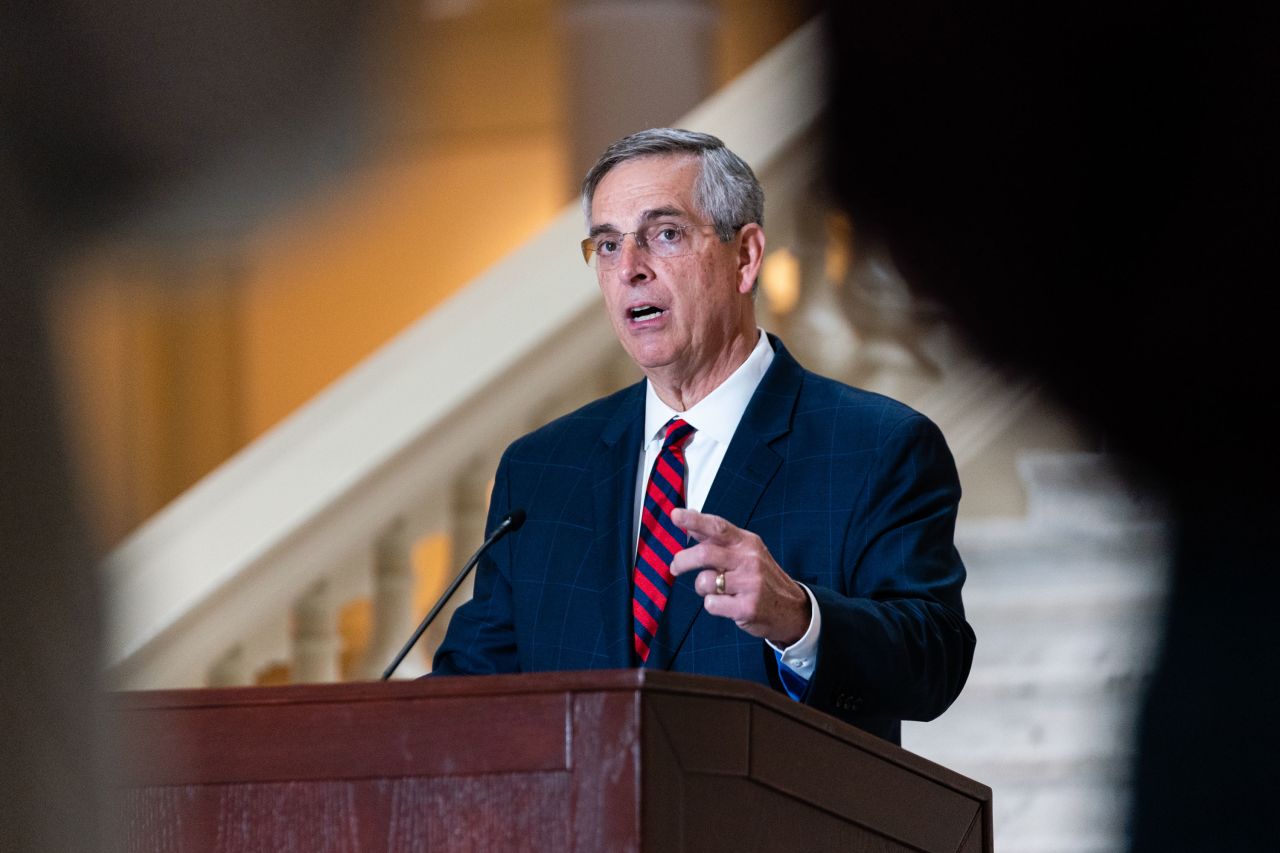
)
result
[(623, 760)]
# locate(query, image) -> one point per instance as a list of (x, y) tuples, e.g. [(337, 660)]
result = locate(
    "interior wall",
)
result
[(179, 350)]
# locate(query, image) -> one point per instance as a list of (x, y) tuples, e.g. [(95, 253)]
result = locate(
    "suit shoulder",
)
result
[(578, 428), (858, 408)]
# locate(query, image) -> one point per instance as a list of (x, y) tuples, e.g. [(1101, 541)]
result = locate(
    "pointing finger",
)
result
[(705, 555), (704, 526)]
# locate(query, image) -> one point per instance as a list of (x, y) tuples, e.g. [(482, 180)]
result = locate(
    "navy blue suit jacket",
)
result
[(854, 494)]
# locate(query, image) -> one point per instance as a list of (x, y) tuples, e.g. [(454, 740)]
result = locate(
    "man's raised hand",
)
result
[(739, 579)]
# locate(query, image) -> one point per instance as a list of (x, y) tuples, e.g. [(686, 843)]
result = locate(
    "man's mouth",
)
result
[(640, 313)]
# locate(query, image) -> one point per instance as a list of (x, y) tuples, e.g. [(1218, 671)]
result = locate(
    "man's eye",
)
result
[(606, 246), (667, 234)]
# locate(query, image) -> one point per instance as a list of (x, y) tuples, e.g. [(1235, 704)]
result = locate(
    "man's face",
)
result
[(702, 298)]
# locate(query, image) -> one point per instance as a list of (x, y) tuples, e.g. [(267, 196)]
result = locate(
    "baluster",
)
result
[(267, 652), (470, 495), (315, 635), (469, 507), (393, 616), (230, 670)]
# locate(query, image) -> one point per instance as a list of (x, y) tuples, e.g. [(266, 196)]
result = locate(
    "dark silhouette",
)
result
[(1090, 190), (116, 113)]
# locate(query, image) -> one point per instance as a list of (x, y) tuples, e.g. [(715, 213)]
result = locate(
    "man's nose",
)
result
[(633, 261)]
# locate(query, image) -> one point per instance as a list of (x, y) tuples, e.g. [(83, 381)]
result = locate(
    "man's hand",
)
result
[(756, 593)]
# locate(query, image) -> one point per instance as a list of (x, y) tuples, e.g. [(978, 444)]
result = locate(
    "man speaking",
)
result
[(732, 514)]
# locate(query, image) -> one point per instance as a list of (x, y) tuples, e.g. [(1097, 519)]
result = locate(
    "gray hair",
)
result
[(726, 190)]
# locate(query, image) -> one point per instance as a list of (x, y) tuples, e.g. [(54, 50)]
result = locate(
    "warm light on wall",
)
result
[(780, 280), (355, 630), (838, 256), (432, 571)]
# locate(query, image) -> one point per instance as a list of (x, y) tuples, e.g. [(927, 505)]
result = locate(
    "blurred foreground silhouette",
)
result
[(118, 115), (1090, 189)]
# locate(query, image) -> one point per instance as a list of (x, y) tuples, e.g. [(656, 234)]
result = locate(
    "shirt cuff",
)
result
[(801, 657)]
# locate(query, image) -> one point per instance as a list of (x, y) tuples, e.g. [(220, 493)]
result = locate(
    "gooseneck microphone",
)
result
[(510, 524)]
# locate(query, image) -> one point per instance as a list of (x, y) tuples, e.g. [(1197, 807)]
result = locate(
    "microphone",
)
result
[(510, 524)]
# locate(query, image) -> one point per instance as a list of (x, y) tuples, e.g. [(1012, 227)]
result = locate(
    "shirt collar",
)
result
[(716, 415)]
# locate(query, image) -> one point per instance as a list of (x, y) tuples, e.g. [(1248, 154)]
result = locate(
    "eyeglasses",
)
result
[(661, 240)]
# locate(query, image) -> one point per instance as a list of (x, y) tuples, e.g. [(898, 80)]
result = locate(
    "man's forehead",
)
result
[(638, 189)]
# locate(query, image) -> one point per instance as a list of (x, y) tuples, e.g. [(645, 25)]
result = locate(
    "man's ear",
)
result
[(750, 256)]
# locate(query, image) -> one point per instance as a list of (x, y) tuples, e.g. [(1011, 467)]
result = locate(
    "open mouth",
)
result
[(640, 313)]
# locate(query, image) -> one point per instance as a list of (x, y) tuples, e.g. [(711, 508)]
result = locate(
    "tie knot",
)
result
[(678, 433)]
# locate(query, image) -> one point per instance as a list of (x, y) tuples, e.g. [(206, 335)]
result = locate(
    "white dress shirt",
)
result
[(716, 417)]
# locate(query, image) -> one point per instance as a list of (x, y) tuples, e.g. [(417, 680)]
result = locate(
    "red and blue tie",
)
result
[(660, 540)]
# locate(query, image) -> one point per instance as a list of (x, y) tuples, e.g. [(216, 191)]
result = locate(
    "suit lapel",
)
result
[(613, 473), (749, 465)]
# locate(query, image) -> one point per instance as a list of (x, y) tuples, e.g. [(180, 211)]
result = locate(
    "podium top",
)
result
[(599, 738)]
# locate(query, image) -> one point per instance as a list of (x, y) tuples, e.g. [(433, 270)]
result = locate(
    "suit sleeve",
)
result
[(481, 639), (897, 645)]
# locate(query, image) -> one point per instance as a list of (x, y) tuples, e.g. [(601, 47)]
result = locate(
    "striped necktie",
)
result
[(659, 539)]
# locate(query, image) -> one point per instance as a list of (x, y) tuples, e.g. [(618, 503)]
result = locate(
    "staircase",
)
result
[(1065, 604)]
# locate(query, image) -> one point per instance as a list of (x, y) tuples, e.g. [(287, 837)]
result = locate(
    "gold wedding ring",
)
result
[(719, 583)]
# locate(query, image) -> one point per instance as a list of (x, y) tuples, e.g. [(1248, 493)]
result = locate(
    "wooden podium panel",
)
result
[(625, 760)]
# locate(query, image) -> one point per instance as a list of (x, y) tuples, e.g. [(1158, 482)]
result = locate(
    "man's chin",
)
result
[(650, 352), (651, 363)]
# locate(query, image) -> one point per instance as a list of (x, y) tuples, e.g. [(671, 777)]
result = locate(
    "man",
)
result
[(819, 556)]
